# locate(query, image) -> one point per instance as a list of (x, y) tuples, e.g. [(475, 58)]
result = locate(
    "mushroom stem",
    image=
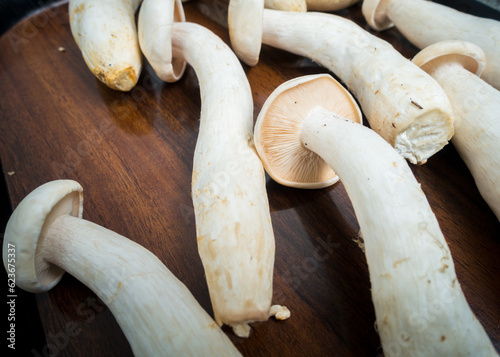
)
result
[(286, 5), (235, 236), (419, 305), (477, 127), (156, 312), (401, 102), (135, 285), (425, 22), (106, 34)]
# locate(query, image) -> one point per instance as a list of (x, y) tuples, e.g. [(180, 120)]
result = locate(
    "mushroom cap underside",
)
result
[(277, 130), (467, 54), (26, 226)]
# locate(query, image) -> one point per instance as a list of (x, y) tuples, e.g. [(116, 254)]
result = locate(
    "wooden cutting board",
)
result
[(132, 153)]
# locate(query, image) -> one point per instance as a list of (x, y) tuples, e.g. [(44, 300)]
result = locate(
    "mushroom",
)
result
[(329, 5), (401, 102), (233, 222), (106, 34), (419, 305), (456, 66), (286, 106), (286, 5), (425, 22), (155, 38), (50, 237)]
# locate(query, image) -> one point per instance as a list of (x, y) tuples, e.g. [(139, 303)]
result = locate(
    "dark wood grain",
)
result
[(132, 153)]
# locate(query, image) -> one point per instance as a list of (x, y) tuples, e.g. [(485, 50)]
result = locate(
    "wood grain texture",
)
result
[(132, 153)]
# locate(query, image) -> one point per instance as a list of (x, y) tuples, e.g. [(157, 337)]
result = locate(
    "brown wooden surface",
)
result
[(132, 153)]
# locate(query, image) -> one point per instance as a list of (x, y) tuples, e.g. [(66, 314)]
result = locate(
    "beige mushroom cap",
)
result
[(155, 37), (245, 29), (26, 226), (375, 13), (467, 54), (277, 131)]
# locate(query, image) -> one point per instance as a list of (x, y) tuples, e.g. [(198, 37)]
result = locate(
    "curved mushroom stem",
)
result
[(235, 236), (419, 305), (156, 312), (477, 127), (425, 22), (401, 102)]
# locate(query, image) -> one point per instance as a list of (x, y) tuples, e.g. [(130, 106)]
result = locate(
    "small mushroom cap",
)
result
[(277, 131), (27, 223), (157, 46), (467, 54), (245, 29), (375, 13)]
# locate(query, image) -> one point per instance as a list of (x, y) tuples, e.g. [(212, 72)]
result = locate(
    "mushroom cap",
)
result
[(375, 13), (245, 29), (26, 226), (277, 130), (467, 54), (157, 46)]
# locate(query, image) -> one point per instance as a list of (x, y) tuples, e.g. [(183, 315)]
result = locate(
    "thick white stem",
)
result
[(106, 33), (425, 22), (235, 236), (477, 127), (286, 5), (419, 305), (401, 102), (156, 312)]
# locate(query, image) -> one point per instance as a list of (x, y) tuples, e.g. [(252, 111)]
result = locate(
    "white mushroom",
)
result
[(425, 22), (106, 34), (50, 237), (233, 223), (245, 29), (155, 36), (286, 5), (329, 5), (401, 102), (419, 305), (456, 66)]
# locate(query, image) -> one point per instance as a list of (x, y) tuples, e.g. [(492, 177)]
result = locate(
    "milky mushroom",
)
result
[(106, 34), (425, 22), (233, 223), (419, 305), (401, 102), (155, 36), (286, 5), (329, 5), (456, 66), (295, 100), (50, 237), (245, 29)]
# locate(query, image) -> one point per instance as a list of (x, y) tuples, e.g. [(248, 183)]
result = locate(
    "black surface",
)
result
[(11, 11)]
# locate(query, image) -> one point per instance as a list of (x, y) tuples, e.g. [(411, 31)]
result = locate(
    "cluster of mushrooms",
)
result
[(308, 131)]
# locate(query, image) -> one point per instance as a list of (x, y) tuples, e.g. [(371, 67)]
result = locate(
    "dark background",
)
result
[(29, 332)]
